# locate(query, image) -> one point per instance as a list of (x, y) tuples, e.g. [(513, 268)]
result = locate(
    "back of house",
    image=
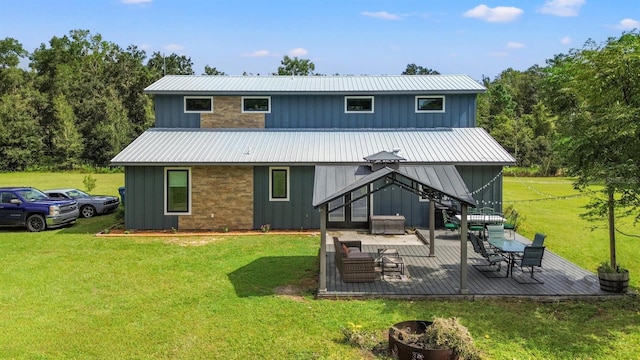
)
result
[(240, 152)]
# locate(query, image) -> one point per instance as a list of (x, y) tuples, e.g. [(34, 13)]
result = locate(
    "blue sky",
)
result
[(347, 37)]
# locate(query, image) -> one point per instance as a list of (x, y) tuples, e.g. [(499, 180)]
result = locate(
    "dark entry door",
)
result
[(353, 215)]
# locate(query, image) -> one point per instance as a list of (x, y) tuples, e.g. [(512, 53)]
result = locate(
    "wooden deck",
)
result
[(439, 276)]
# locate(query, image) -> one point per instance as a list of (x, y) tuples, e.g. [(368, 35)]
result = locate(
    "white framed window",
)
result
[(279, 184), (198, 104), (256, 104), (358, 104), (177, 191), (430, 104), (420, 198)]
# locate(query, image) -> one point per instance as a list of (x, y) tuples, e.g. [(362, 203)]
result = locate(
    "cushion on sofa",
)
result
[(358, 255), (345, 249)]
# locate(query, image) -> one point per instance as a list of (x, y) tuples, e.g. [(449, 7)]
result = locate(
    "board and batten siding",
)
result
[(170, 113), (298, 212), (327, 111), (144, 199)]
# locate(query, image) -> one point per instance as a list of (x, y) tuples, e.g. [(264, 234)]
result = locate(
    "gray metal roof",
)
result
[(332, 182), (365, 84), (311, 146)]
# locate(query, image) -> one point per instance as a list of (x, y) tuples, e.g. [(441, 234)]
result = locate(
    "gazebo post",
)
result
[(463, 250), (432, 227), (322, 288)]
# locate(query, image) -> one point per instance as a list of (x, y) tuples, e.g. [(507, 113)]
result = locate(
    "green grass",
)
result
[(546, 206), (68, 294)]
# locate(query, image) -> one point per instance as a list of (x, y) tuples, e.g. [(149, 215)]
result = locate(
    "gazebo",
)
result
[(433, 182)]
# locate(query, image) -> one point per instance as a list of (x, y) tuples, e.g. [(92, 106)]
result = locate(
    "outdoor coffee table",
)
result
[(392, 264)]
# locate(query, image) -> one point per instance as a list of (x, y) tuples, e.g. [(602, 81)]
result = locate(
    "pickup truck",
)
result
[(26, 206)]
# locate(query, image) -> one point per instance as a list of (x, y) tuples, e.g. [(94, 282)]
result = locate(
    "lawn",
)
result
[(66, 293), (551, 206)]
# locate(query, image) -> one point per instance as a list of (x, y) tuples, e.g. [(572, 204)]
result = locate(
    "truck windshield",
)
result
[(32, 195)]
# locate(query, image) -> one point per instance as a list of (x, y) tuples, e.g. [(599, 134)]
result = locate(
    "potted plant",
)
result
[(442, 338), (613, 279)]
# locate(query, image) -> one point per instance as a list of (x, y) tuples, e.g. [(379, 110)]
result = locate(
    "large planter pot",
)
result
[(613, 281), (399, 349)]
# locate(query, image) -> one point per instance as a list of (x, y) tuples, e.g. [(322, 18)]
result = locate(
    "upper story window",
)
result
[(177, 191), (358, 104), (198, 104), (429, 104), (279, 184), (256, 104)]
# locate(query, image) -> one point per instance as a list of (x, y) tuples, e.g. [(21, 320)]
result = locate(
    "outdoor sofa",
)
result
[(353, 264)]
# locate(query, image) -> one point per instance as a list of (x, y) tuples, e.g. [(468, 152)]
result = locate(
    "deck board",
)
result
[(439, 275)]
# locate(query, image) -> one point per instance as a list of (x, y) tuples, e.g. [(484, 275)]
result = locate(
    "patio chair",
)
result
[(449, 224), (512, 223), (492, 257), (495, 231), (538, 240), (531, 258)]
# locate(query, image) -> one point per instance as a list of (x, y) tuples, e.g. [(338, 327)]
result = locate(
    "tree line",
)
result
[(82, 101)]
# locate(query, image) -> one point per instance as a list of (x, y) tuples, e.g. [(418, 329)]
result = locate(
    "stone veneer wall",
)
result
[(227, 113), (224, 191)]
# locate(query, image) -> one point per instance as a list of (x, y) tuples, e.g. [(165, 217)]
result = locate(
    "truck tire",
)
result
[(35, 223)]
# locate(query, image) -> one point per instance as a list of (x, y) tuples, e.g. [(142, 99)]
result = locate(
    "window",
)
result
[(358, 104), (338, 213), (256, 104), (279, 184), (359, 211), (420, 198), (198, 104), (177, 191), (427, 104)]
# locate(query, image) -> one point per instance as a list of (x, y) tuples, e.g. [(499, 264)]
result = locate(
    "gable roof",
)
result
[(353, 85), (332, 182), (457, 146)]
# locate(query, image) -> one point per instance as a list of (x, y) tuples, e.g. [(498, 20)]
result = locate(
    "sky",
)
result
[(480, 38)]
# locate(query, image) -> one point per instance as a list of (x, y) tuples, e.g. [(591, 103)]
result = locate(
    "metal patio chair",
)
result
[(532, 257)]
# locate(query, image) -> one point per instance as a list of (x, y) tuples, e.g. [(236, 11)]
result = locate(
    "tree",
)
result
[(413, 69), (208, 70), (11, 51), (295, 66), (600, 124), (173, 64)]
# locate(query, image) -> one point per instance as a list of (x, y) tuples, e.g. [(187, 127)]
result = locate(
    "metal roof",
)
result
[(455, 146), (332, 182), (363, 84)]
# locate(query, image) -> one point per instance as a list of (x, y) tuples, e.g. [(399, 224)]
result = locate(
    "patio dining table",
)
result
[(509, 247), (483, 219)]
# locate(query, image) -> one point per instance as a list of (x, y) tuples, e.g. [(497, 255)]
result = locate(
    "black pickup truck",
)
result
[(26, 206)]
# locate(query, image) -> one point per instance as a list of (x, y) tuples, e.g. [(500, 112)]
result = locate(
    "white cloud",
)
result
[(514, 45), (135, 1), (145, 47), (562, 7), (496, 14), (628, 24), (382, 15), (565, 40), (298, 52), (174, 47), (258, 53)]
